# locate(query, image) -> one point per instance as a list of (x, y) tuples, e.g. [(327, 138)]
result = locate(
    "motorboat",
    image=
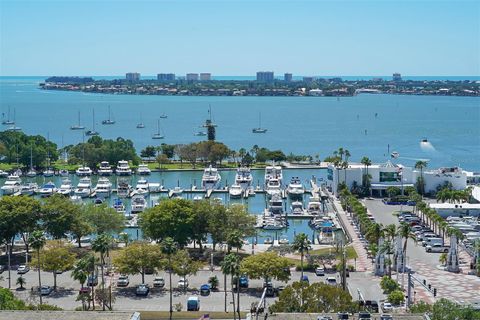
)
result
[(48, 189), (314, 206), (83, 171), (142, 187), (66, 188), (31, 173), (123, 169), (98, 201), (283, 241), (18, 172), (268, 241), (123, 188), (3, 174), (275, 205), (104, 169), (177, 192), (84, 187), (103, 187), (200, 134), (274, 223), (143, 169), (63, 173), (29, 189), (139, 204), (211, 178), (109, 120), (48, 172), (119, 206), (12, 185), (243, 177), (141, 125), (197, 198), (77, 126), (273, 187), (295, 188), (235, 191), (297, 207), (163, 116), (273, 179)]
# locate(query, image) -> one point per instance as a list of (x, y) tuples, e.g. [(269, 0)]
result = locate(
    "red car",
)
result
[(84, 290)]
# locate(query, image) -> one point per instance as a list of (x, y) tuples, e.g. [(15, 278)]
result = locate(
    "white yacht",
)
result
[(211, 178), (123, 188), (314, 206), (105, 169), (243, 177), (176, 192), (12, 185), (297, 207), (83, 171), (31, 173), (142, 187), (273, 179), (295, 188), (3, 174), (119, 206), (48, 173), (139, 204), (273, 187), (63, 173), (66, 188), (235, 190), (275, 205), (84, 187), (48, 189), (103, 187), (123, 169), (29, 189), (143, 169)]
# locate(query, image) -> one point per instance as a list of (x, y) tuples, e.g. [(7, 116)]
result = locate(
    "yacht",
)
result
[(109, 120), (297, 207), (66, 188), (123, 169), (275, 205), (92, 132), (17, 172), (200, 134), (104, 169), (295, 188), (48, 189), (48, 173), (84, 187), (158, 135), (211, 178), (63, 173), (314, 206), (243, 177), (103, 187), (273, 187), (77, 126), (12, 185), (29, 189), (31, 172), (3, 174), (139, 204), (259, 129), (143, 169), (119, 206), (235, 191), (273, 179), (123, 188), (142, 187), (177, 192), (83, 171)]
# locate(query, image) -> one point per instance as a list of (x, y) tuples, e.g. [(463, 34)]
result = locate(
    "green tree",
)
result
[(300, 244), (420, 181), (103, 219), (148, 152), (9, 302), (405, 231), (393, 191), (169, 248), (267, 265), (396, 297), (102, 244), (231, 266), (37, 241), (183, 265), (80, 272), (60, 216), (21, 281), (137, 258), (389, 285)]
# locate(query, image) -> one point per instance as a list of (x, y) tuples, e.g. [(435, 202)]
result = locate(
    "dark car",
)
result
[(84, 290), (243, 281), (142, 290), (304, 278), (364, 315), (205, 289), (92, 280), (2, 268), (342, 316), (45, 290)]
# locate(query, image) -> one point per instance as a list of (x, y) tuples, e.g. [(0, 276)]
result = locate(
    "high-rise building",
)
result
[(192, 77), (308, 79), (265, 76), (132, 76), (166, 77), (205, 76), (397, 77), (287, 77)]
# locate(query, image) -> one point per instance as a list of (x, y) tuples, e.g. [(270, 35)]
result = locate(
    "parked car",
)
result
[(243, 281), (183, 284), (84, 290), (324, 318), (159, 282), (2, 268), (332, 281), (193, 304), (142, 290), (22, 269), (342, 316), (364, 315), (123, 281), (386, 317), (387, 307), (205, 289), (304, 278), (320, 271), (92, 280), (436, 247), (45, 290)]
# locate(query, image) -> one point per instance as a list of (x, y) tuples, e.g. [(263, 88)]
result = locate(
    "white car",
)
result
[(22, 269), (387, 307), (332, 281), (122, 281), (183, 284), (320, 271), (158, 282)]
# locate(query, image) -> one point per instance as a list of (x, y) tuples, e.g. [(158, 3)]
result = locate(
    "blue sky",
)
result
[(239, 37)]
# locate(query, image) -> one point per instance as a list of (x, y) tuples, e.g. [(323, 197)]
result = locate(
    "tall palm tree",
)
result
[(37, 241), (374, 232), (300, 244), (421, 165), (101, 245), (405, 231), (82, 269), (169, 247), (231, 266), (390, 232)]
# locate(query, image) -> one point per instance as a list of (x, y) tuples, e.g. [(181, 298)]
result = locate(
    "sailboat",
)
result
[(7, 121), (49, 171), (109, 120), (13, 127), (77, 126), (141, 125), (209, 122), (31, 173), (163, 116), (259, 129), (158, 135), (92, 132)]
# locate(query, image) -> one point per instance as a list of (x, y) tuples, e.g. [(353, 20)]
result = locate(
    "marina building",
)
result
[(265, 76), (397, 77), (166, 77), (388, 174), (205, 76), (287, 77), (192, 77), (132, 76)]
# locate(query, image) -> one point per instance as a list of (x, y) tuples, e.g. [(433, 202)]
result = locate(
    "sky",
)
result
[(234, 37)]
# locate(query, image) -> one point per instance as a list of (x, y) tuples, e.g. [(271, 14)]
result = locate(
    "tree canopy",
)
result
[(137, 258), (267, 265)]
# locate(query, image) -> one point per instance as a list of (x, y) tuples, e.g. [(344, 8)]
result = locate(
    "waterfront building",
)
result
[(456, 209), (388, 174), (205, 76), (132, 76), (166, 77), (287, 77), (308, 79), (397, 77), (192, 77), (265, 76), (315, 92)]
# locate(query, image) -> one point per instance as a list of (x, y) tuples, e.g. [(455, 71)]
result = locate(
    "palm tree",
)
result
[(101, 244), (300, 244), (169, 247), (231, 266), (37, 241), (234, 240), (81, 271), (345, 163), (366, 162), (374, 232), (390, 232), (421, 165), (405, 232), (21, 282)]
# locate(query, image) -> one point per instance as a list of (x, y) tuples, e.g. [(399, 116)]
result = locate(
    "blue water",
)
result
[(302, 125)]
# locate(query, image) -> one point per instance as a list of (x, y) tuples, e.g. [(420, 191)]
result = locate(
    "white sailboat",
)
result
[(7, 121), (140, 125), (92, 132), (158, 135), (77, 126), (31, 172), (13, 127), (259, 129), (109, 120)]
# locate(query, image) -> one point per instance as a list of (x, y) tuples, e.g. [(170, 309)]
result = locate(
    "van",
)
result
[(193, 304), (432, 241)]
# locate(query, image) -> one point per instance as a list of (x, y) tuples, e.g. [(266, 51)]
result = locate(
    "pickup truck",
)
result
[(436, 248)]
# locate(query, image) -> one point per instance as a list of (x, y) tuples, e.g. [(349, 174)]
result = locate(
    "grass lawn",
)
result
[(155, 315), (351, 253), (7, 166)]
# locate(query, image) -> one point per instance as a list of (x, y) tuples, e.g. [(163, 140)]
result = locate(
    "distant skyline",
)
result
[(374, 38)]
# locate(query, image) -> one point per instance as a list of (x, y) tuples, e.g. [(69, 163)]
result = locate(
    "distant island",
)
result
[(308, 86)]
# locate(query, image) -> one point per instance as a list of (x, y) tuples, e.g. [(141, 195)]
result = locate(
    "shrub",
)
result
[(396, 297), (388, 285)]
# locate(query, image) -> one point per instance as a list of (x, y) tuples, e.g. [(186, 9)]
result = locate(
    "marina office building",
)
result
[(388, 174)]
